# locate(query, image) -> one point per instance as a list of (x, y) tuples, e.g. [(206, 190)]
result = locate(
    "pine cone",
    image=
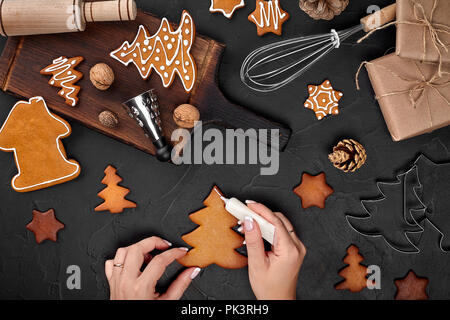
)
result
[(323, 9), (348, 156)]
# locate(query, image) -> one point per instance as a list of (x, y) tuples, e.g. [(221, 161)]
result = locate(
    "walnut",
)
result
[(102, 76), (108, 119), (185, 116)]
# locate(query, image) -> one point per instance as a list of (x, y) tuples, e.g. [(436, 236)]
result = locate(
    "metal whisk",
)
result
[(275, 65)]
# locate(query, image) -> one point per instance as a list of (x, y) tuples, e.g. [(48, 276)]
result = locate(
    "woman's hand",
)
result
[(127, 282), (273, 275)]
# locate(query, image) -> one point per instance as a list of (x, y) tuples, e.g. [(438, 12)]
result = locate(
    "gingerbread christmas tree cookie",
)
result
[(323, 100), (45, 226), (313, 190), (214, 241), (227, 7), (167, 52), (65, 76), (268, 17), (354, 273), (113, 194)]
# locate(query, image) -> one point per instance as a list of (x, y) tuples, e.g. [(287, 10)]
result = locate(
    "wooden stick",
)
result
[(379, 18)]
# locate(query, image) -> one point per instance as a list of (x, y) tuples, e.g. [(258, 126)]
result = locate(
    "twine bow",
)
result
[(419, 86), (422, 20)]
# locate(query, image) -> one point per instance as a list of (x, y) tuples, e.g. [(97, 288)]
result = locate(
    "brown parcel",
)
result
[(416, 21), (411, 104)]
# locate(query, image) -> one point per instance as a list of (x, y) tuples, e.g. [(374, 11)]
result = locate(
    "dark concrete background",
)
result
[(166, 194)]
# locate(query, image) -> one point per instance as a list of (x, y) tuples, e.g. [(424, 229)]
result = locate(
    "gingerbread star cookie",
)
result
[(268, 17), (167, 52), (65, 76), (313, 191), (227, 7), (411, 287), (45, 226), (323, 99)]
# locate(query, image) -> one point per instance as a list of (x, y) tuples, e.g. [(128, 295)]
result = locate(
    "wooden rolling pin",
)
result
[(28, 17)]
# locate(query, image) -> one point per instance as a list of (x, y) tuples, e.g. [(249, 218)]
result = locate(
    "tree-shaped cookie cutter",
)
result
[(408, 222), (442, 234)]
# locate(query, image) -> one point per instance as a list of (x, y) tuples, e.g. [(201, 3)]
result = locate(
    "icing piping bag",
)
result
[(240, 211)]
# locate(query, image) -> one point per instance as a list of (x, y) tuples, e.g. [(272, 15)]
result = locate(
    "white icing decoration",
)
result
[(229, 14), (58, 145), (146, 42), (62, 65), (272, 16), (169, 46), (179, 50)]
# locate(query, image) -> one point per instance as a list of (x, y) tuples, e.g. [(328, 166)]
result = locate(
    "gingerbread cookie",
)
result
[(313, 191), (113, 194), (411, 287), (214, 241), (268, 17), (323, 99), (65, 76), (167, 52), (34, 134), (227, 7), (45, 226), (354, 273)]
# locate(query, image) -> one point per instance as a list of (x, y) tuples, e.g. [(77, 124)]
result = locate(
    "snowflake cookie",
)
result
[(323, 99)]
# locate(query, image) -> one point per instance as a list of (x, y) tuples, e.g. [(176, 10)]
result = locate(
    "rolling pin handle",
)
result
[(116, 10)]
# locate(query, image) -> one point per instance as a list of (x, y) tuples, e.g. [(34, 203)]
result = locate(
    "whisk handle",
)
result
[(379, 18)]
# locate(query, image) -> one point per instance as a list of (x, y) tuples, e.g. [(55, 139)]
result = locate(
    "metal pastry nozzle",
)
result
[(145, 110)]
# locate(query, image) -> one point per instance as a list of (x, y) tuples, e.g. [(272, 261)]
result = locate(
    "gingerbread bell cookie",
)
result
[(167, 52), (214, 241), (34, 134), (268, 17), (65, 76), (226, 7), (323, 100)]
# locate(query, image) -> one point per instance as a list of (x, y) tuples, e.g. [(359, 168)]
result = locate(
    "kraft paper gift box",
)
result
[(412, 98), (423, 30)]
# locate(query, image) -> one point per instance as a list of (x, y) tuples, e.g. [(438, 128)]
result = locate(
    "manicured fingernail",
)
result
[(184, 248), (195, 273), (249, 201), (240, 229), (248, 223), (244, 243), (168, 243)]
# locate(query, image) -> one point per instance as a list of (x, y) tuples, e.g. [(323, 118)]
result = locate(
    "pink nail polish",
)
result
[(184, 248), (249, 201), (248, 223), (195, 273)]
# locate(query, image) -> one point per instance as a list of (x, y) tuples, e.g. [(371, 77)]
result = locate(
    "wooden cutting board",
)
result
[(24, 57)]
